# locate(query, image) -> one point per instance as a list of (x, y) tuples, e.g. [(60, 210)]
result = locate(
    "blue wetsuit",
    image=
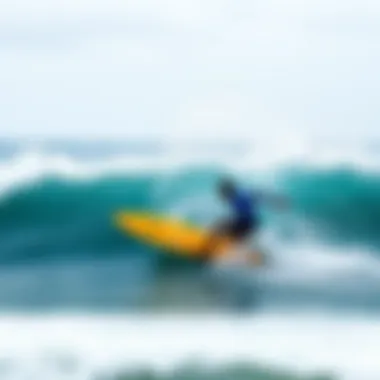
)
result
[(245, 215)]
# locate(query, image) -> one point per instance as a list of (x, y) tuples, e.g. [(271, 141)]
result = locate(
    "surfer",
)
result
[(244, 220)]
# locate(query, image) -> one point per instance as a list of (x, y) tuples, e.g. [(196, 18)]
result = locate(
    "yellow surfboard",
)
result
[(170, 234)]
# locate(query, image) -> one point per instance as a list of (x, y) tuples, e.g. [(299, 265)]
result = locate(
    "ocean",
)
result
[(81, 300)]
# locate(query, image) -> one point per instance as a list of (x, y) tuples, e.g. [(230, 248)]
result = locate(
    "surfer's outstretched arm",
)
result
[(274, 200)]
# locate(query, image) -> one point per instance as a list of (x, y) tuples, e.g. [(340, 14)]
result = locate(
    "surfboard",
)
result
[(170, 234)]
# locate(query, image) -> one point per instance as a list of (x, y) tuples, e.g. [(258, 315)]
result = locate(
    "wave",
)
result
[(339, 204), (59, 208), (54, 204)]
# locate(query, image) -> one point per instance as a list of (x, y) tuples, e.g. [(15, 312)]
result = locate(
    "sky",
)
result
[(214, 69)]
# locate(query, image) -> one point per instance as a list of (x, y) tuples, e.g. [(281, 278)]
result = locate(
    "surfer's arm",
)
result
[(274, 200)]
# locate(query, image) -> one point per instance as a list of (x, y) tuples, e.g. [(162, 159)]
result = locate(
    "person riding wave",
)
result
[(244, 220)]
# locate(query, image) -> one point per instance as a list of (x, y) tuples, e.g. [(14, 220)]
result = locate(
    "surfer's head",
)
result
[(226, 188)]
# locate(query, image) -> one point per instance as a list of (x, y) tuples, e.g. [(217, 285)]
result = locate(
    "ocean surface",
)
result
[(81, 300)]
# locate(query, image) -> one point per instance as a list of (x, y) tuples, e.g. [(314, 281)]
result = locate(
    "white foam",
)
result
[(350, 275), (326, 266), (343, 345), (32, 165)]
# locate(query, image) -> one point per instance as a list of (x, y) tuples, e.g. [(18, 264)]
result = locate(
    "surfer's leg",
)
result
[(241, 230), (241, 233), (222, 229), (233, 229)]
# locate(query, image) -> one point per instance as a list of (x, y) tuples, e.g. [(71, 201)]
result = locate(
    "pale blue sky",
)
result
[(185, 68)]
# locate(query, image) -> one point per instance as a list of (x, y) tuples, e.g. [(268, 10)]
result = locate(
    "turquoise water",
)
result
[(339, 206), (58, 225)]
